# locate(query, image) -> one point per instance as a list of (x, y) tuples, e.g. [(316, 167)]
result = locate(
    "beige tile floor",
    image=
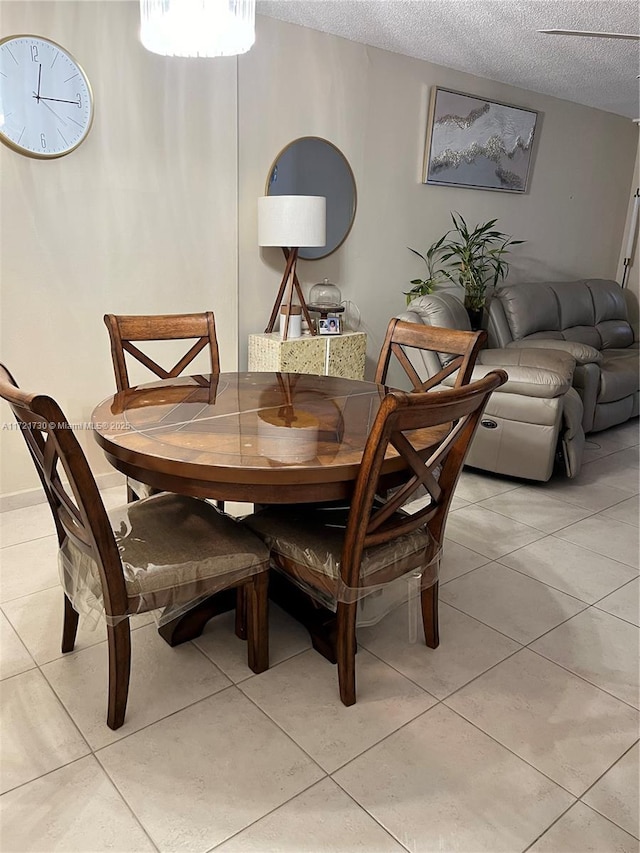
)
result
[(520, 733)]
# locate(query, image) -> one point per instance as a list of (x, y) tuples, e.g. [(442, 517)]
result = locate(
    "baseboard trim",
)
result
[(32, 497)]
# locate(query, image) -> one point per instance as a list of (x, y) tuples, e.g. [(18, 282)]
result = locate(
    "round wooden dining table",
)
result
[(258, 437), (264, 438)]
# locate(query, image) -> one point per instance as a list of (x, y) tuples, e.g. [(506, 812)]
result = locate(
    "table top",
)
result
[(259, 437)]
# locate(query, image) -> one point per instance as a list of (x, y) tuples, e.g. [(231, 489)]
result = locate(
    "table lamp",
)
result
[(291, 222)]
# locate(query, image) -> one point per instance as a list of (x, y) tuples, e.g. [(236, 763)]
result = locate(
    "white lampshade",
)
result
[(292, 221), (197, 27)]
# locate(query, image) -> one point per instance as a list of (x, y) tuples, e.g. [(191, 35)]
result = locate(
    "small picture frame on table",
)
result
[(329, 326)]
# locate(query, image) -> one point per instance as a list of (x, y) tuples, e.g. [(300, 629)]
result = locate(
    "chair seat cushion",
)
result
[(312, 537), (175, 552)]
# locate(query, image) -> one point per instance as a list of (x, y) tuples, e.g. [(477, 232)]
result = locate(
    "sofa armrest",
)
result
[(583, 353), (526, 381)]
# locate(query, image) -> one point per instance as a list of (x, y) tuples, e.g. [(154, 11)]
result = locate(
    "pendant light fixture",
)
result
[(197, 27)]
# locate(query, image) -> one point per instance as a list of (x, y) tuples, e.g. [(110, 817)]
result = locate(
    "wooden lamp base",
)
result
[(288, 284)]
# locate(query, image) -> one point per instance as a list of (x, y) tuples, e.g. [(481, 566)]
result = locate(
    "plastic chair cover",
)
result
[(175, 551), (309, 541)]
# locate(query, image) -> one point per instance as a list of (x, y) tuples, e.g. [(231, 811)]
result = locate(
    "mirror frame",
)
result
[(353, 183)]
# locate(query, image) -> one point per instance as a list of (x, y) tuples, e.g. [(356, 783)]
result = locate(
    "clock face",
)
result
[(46, 103)]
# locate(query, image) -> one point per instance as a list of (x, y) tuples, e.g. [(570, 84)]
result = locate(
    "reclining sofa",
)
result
[(587, 319), (534, 417)]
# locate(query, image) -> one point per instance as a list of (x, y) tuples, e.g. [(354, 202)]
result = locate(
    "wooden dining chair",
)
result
[(167, 551), (446, 351), (343, 554), (127, 330)]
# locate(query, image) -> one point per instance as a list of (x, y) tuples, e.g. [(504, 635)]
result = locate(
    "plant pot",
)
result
[(475, 317)]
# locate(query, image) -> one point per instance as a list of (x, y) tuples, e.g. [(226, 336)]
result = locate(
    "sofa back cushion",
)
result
[(592, 311)]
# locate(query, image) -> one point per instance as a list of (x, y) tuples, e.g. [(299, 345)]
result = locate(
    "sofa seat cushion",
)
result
[(581, 352), (619, 375), (615, 334)]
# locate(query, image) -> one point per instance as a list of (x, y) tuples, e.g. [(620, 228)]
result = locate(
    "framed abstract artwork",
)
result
[(477, 143)]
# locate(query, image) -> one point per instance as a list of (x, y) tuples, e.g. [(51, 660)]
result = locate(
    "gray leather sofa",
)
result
[(587, 319), (531, 418)]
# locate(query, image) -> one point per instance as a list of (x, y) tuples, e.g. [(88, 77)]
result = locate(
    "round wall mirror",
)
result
[(313, 166)]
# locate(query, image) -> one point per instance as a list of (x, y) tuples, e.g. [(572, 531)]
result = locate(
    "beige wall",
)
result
[(153, 210), (142, 217), (372, 104)]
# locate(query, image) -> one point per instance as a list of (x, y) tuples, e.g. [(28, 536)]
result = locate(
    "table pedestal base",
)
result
[(192, 623), (319, 621)]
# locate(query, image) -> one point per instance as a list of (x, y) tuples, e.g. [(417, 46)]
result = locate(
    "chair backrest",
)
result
[(461, 347), (78, 511), (454, 415), (124, 329)]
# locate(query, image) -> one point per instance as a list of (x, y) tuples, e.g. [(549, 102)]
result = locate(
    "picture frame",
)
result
[(329, 326), (478, 143)]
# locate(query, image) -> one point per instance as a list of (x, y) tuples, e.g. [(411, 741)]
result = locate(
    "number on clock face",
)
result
[(46, 104)]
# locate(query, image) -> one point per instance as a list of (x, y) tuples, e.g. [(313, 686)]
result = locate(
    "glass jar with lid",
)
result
[(324, 297)]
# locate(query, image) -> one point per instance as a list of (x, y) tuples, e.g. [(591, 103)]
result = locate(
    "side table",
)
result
[(324, 355)]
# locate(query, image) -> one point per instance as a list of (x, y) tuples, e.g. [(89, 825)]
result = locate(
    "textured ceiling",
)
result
[(497, 39)]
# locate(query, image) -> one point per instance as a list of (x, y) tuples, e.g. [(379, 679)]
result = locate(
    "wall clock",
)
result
[(46, 103)]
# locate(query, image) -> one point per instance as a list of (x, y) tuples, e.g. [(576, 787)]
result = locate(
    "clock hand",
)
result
[(39, 78), (60, 119), (59, 100)]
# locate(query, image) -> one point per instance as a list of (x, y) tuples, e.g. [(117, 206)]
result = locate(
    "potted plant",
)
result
[(422, 286), (473, 259)]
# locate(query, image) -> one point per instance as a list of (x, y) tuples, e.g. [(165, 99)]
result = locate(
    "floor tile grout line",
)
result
[(573, 616), (597, 553), (284, 731), (551, 825), (372, 816), (329, 773), (442, 703), (33, 591), (621, 521), (22, 643), (497, 663), (495, 558), (557, 589), (604, 773), (609, 820), (26, 541), (222, 689), (67, 714), (549, 660), (75, 651), (295, 796), (586, 680), (123, 737), (396, 670), (590, 514), (127, 805), (267, 814), (621, 618), (486, 624), (142, 728), (524, 574), (251, 674), (45, 774), (576, 797), (126, 802)]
